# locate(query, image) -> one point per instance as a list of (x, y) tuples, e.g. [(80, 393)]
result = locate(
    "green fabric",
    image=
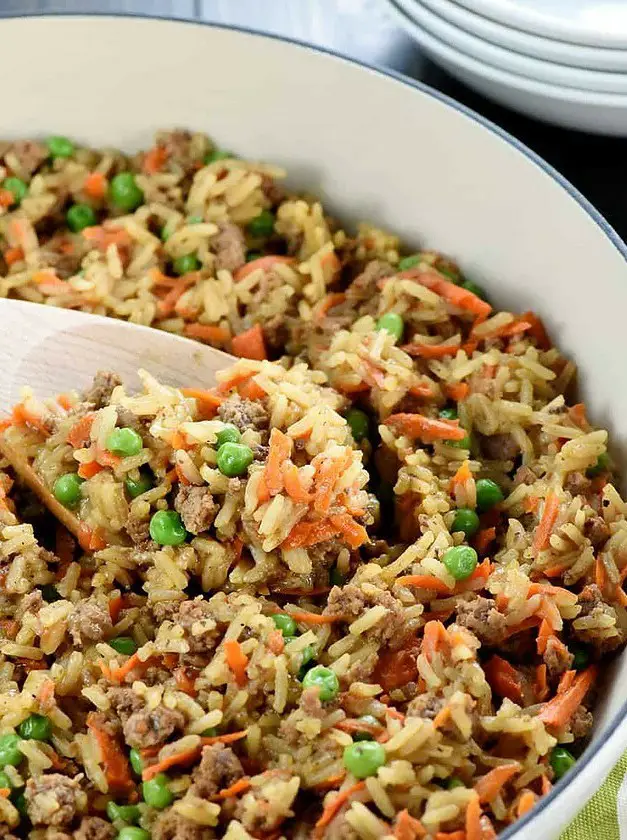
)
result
[(599, 818)]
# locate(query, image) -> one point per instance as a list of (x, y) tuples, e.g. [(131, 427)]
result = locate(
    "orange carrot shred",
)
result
[(207, 402), (329, 302), (456, 295), (503, 678), (525, 803), (435, 634), (304, 534), (186, 757), (229, 738), (457, 391), (541, 687), (431, 351), (236, 788), (351, 531), (115, 605), (237, 661), (483, 539), (407, 827), (207, 332), (427, 429), (545, 526), (425, 582), (489, 786), (250, 344), (333, 808), (89, 469), (293, 485), (265, 263), (280, 451), (13, 255), (115, 764), (314, 618), (154, 160), (78, 436), (95, 185), (450, 835), (473, 820), (166, 305), (331, 782), (559, 710)]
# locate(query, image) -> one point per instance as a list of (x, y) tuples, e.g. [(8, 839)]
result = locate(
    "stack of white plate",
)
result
[(563, 61)]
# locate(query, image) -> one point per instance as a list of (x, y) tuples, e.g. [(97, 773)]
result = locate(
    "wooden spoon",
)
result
[(57, 350)]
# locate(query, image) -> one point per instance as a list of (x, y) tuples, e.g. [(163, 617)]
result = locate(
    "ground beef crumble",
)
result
[(197, 508)]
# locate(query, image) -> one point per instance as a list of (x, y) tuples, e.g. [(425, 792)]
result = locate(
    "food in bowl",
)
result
[(362, 587)]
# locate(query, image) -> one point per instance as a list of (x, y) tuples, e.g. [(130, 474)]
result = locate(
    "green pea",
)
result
[(211, 732), (601, 466), (156, 792), (165, 233), (477, 290), (124, 192), (358, 423), (166, 528), (35, 728), (581, 657), (123, 813), (123, 644), (19, 800), (336, 578), (393, 323), (135, 488), (488, 494), (465, 520), (234, 459), (366, 736), (364, 758), (218, 154), (131, 832), (5, 782), (325, 680), (80, 216), (253, 255), (16, 186), (185, 264), (286, 624), (262, 225), (195, 220), (308, 661), (460, 561), (49, 593), (448, 413), (67, 489), (124, 442), (454, 782), (409, 262), (10, 752), (137, 763), (60, 147), (448, 271), (229, 434), (464, 443), (561, 761)]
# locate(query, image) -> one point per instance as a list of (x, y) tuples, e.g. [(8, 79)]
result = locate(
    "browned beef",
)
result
[(65, 261), (351, 601), (186, 615), (597, 531), (230, 247), (172, 826), (426, 705), (124, 702), (364, 287), (5, 833), (219, 768), (196, 507), (244, 414), (139, 532), (30, 155), (180, 149), (481, 617), (576, 483), (94, 828), (592, 604), (557, 658), (500, 447), (309, 703), (90, 622), (99, 393), (152, 727), (273, 192), (581, 722), (524, 475), (52, 799)]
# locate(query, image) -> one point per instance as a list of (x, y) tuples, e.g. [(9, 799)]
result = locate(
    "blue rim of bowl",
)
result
[(588, 754)]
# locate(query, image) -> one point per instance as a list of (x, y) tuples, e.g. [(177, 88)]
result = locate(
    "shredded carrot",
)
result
[(457, 391), (530, 504), (546, 785), (545, 526), (351, 531), (427, 429), (328, 472), (265, 263), (544, 634), (407, 827), (6, 198), (566, 680), (118, 674), (115, 763), (450, 835), (421, 390), (355, 725), (330, 783), (237, 661), (555, 571), (304, 534), (435, 635), (250, 344), (207, 402), (331, 300), (462, 475), (186, 757), (431, 351), (333, 808), (537, 331), (489, 786), (577, 413), (525, 803), (503, 678), (101, 236), (473, 820), (185, 681), (95, 185), (91, 539), (425, 582), (558, 711), (207, 332), (154, 160), (13, 255), (293, 484), (229, 738), (79, 434), (483, 539), (541, 687), (5, 793), (600, 577), (251, 391), (166, 305), (442, 717), (456, 295), (233, 790), (46, 693), (22, 417), (525, 624), (115, 605), (9, 628), (314, 618), (276, 642), (279, 452), (89, 469)]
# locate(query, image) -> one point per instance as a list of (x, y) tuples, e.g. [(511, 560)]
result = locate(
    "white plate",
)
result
[(513, 62), (599, 23), (375, 146), (599, 113), (575, 55)]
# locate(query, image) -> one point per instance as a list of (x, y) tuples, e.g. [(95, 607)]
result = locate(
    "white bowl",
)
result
[(375, 146), (512, 62), (598, 113), (548, 49), (592, 22)]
